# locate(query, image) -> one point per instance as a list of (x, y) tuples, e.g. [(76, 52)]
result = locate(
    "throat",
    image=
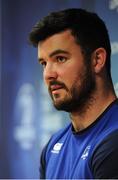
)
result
[(84, 118), (81, 118)]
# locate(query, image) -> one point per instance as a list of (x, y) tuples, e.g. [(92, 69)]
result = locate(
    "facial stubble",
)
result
[(80, 93)]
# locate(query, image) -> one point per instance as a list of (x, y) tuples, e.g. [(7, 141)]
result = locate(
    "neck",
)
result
[(93, 108)]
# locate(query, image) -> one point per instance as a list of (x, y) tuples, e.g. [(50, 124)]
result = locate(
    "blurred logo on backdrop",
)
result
[(24, 131), (113, 5)]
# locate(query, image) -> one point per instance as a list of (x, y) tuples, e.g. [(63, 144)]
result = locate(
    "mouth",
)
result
[(55, 88)]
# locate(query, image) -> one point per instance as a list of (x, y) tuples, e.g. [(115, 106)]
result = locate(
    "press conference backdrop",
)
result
[(28, 118)]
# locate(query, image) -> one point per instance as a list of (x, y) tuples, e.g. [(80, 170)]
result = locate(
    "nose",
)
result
[(50, 73)]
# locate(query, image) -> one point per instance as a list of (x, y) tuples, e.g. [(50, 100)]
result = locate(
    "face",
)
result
[(69, 79)]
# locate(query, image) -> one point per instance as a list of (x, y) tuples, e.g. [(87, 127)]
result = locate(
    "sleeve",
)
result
[(104, 161)]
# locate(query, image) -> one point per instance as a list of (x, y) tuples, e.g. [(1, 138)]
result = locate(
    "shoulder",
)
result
[(110, 142), (105, 157)]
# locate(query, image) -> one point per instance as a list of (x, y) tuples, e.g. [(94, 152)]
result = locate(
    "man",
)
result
[(74, 50)]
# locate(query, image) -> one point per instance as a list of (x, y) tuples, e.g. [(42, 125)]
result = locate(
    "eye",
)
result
[(43, 63), (61, 58)]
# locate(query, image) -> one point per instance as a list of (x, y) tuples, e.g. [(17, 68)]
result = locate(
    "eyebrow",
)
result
[(58, 51), (55, 52)]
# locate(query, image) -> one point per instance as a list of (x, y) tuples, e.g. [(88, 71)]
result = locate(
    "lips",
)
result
[(55, 87)]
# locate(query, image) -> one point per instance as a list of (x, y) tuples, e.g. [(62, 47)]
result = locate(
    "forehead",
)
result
[(64, 40)]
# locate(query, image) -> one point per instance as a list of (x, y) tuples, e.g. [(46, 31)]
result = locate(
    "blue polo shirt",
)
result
[(88, 154)]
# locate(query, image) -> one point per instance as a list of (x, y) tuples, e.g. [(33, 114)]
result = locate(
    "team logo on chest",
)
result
[(85, 153), (56, 148)]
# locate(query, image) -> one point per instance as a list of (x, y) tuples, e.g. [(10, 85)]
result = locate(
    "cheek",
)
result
[(77, 76), (70, 77)]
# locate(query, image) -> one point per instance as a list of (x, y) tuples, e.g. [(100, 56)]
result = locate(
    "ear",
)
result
[(99, 59)]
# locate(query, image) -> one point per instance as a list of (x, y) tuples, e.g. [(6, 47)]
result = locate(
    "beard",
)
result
[(79, 94)]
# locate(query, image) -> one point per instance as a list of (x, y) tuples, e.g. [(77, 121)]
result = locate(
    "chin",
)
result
[(63, 106)]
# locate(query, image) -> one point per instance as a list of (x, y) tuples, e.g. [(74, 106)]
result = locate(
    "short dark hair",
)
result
[(88, 28)]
